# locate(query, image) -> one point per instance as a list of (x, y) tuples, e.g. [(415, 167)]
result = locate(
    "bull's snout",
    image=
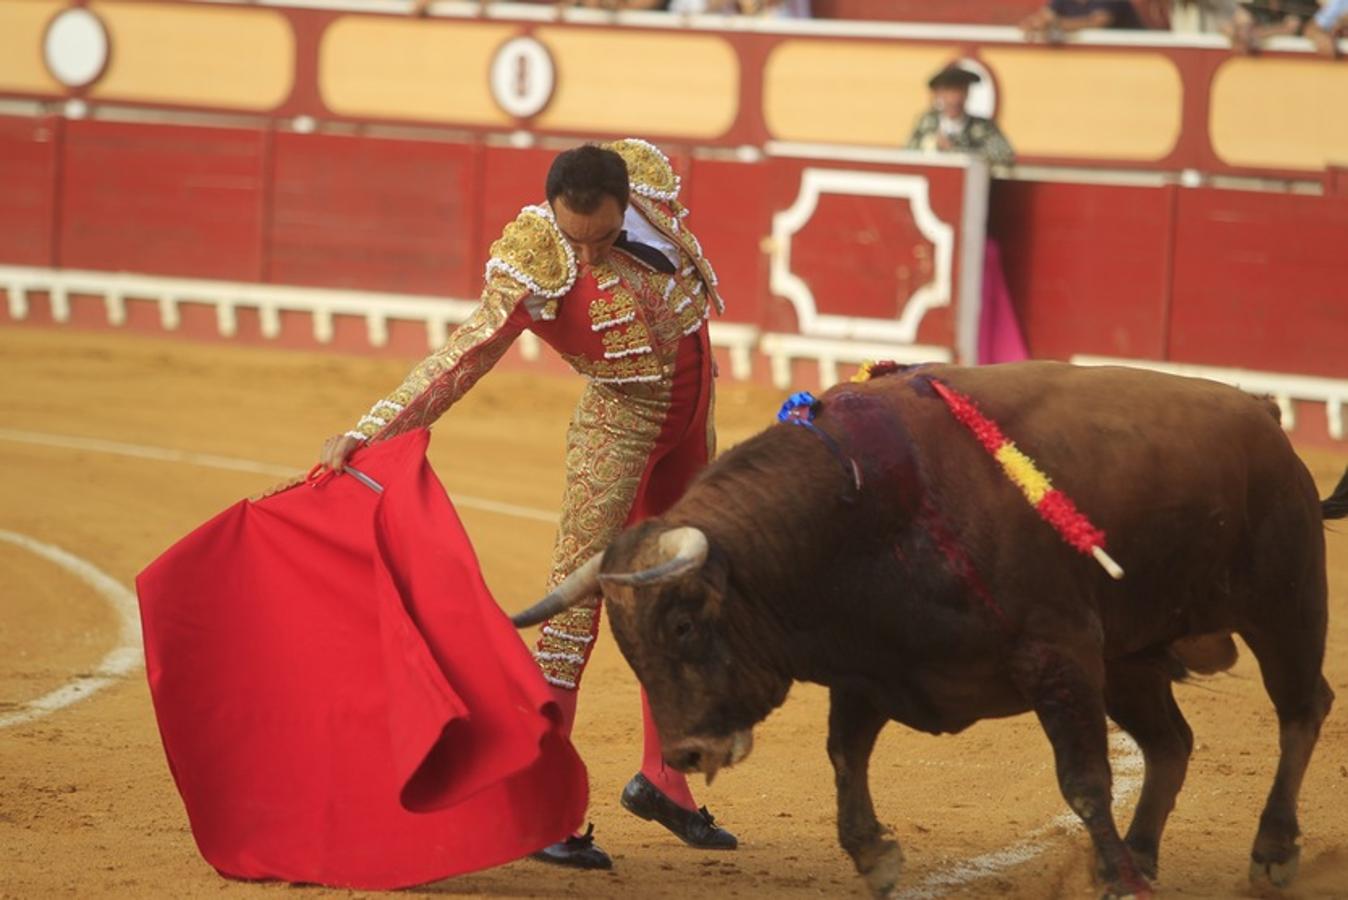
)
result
[(709, 755)]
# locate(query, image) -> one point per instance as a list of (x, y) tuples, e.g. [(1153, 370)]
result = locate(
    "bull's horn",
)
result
[(686, 549), (578, 585)]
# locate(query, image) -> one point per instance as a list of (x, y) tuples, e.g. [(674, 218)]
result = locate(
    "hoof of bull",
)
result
[(883, 877), (1280, 874), (1129, 888)]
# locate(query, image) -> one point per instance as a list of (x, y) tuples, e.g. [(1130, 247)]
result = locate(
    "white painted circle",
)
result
[(76, 47), (523, 77), (123, 658)]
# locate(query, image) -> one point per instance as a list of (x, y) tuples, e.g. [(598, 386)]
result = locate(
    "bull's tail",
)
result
[(1335, 506)]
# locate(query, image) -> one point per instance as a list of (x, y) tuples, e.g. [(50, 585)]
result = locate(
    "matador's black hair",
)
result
[(585, 175)]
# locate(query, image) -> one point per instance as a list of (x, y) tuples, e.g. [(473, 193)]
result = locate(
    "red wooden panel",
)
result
[(169, 200), (388, 215), (862, 256), (512, 179), (1087, 265), (1261, 282), (728, 210), (28, 160), (865, 256), (1336, 180)]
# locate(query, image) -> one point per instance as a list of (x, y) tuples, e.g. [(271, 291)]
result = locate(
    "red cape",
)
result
[(341, 701)]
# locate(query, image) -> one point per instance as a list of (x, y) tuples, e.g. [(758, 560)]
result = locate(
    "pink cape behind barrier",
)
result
[(999, 334)]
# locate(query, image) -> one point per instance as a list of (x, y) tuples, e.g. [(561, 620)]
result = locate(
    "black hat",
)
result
[(953, 76)]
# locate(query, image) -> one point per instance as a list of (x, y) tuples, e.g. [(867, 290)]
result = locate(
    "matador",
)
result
[(609, 275)]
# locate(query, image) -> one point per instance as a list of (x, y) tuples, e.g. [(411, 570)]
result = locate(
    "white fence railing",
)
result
[(439, 314), (1282, 388)]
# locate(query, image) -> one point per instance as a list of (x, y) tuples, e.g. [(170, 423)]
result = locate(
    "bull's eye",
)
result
[(683, 629)]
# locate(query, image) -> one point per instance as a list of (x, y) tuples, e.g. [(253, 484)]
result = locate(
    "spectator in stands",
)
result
[(946, 126), (1256, 21), (779, 9), (1328, 25), (1220, 13), (617, 5), (782, 9), (611, 5), (1060, 17), (1154, 14)]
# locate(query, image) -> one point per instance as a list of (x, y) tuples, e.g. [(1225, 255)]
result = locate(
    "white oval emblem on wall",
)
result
[(523, 77), (75, 47)]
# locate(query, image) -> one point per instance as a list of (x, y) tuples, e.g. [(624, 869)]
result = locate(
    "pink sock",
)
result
[(669, 781)]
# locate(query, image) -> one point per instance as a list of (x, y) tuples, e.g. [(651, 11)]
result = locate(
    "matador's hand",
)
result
[(337, 449)]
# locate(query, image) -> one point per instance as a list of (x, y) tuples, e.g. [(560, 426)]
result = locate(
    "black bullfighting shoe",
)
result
[(696, 829), (578, 851)]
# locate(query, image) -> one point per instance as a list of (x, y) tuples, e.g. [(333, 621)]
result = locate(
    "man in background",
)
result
[(947, 125)]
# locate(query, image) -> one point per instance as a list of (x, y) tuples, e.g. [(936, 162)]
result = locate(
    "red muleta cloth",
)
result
[(340, 699)]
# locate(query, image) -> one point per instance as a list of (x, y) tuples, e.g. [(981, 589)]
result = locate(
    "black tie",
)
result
[(644, 252)]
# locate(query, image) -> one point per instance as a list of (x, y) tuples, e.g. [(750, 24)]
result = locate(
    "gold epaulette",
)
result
[(533, 252), (648, 169)]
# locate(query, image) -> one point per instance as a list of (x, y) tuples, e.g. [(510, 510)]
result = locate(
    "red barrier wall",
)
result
[(29, 149), (378, 214), (734, 240), (168, 199), (1229, 278), (1242, 279), (1266, 265), (1088, 265)]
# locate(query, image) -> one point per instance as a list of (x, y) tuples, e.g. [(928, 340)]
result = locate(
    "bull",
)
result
[(884, 553)]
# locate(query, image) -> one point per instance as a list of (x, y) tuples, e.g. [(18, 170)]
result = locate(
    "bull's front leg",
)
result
[(1066, 690), (853, 725)]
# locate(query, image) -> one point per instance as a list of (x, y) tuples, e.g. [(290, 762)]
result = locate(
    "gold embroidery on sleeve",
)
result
[(447, 374)]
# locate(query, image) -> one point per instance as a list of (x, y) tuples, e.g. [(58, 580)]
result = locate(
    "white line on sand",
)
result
[(122, 659), (1127, 764), (234, 464)]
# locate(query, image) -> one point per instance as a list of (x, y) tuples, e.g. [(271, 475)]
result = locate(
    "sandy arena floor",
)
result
[(87, 807)]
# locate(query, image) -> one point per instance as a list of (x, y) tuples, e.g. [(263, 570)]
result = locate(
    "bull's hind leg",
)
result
[(1139, 698), (853, 725), (1289, 660), (1067, 694)]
